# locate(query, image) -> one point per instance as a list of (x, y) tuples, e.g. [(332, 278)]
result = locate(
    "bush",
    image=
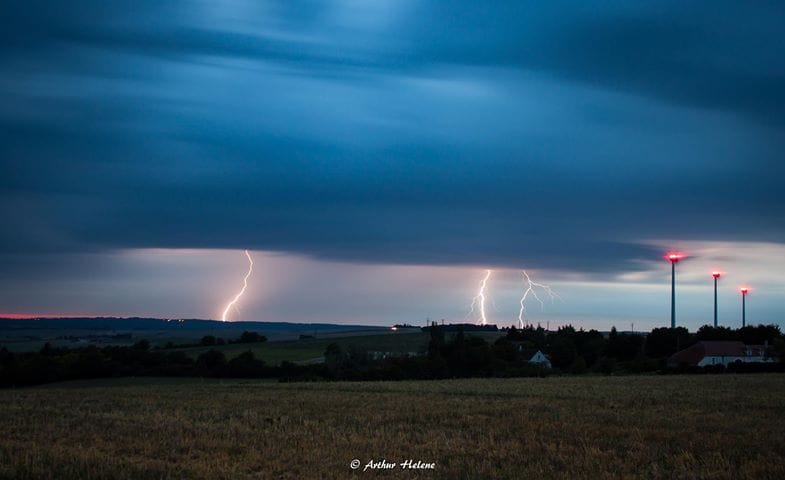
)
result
[(251, 337), (606, 365), (246, 365), (210, 362), (578, 366)]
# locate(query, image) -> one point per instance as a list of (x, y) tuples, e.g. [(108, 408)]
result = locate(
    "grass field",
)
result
[(307, 349), (723, 426), (28, 340), (311, 348)]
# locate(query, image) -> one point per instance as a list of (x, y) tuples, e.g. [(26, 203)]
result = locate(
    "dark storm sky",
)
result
[(564, 136)]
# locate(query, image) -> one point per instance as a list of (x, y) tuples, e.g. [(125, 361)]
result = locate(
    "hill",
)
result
[(31, 334)]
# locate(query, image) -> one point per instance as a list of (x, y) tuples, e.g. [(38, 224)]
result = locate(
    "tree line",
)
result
[(447, 356), (578, 351)]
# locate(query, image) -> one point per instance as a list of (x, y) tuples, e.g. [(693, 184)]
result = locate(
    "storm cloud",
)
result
[(554, 135)]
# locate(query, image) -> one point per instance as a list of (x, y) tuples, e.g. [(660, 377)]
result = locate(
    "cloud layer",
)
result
[(562, 136)]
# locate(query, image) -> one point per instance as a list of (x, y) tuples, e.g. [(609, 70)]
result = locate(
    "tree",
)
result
[(436, 342), (537, 337), (49, 351), (562, 351), (246, 365), (777, 349), (211, 360), (760, 334), (478, 352), (504, 350), (334, 357), (357, 357), (579, 365), (622, 346), (606, 365), (663, 342), (708, 332), (251, 337), (590, 345)]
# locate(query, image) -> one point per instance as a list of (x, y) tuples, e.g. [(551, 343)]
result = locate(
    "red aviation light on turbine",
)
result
[(674, 256), (744, 290), (716, 274)]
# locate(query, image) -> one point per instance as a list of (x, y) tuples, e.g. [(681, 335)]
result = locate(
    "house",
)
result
[(532, 355), (720, 353), (379, 355)]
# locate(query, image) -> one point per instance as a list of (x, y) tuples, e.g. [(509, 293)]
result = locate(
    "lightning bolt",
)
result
[(479, 299), (531, 287), (242, 291)]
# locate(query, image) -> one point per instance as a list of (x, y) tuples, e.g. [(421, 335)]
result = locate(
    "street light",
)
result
[(673, 257), (744, 291), (716, 276)]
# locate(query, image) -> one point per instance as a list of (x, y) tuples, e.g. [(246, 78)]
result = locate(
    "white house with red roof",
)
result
[(707, 353)]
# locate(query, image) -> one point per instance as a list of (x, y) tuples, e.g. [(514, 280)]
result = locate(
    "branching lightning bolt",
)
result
[(479, 300), (232, 304), (531, 287)]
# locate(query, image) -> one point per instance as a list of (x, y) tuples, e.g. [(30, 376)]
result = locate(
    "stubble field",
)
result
[(714, 426)]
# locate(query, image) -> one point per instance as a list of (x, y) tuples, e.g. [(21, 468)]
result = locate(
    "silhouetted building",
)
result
[(535, 356), (720, 353)]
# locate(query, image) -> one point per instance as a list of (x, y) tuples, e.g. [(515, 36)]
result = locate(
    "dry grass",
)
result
[(579, 427)]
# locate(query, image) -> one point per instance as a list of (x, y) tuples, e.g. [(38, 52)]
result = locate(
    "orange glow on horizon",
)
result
[(19, 316), (29, 316)]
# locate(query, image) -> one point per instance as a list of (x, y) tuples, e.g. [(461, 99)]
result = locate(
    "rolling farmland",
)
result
[(726, 426)]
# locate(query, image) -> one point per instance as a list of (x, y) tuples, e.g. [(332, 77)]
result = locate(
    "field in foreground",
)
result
[(720, 426)]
